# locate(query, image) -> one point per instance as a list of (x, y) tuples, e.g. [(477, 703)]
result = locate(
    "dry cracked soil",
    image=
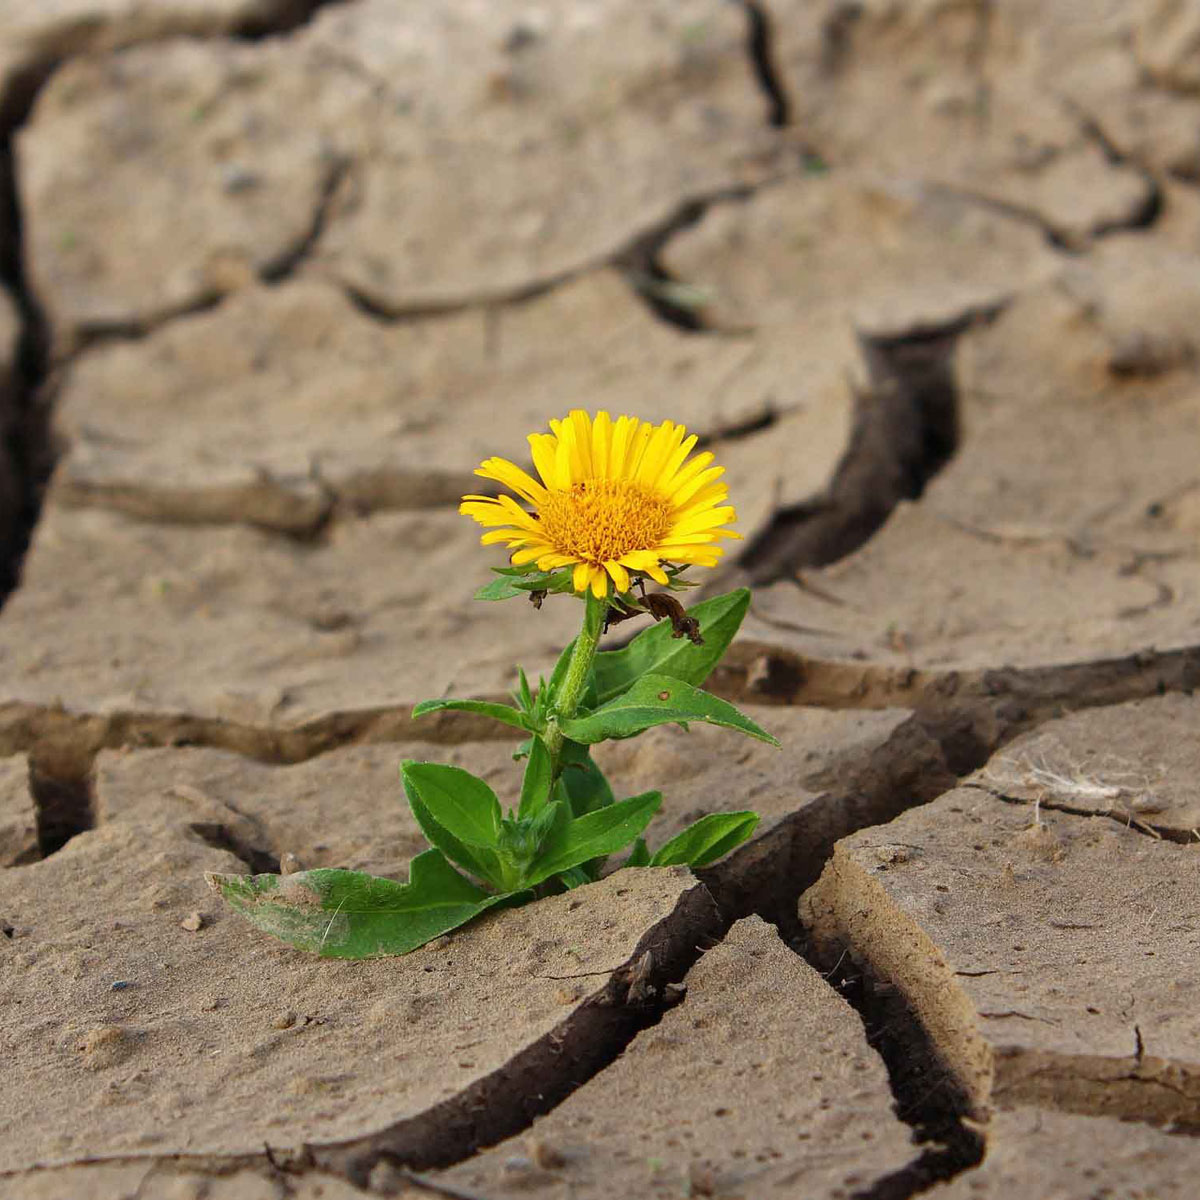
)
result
[(924, 274)]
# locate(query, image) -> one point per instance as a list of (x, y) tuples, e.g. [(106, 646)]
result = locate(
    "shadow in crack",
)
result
[(906, 429), (63, 807)]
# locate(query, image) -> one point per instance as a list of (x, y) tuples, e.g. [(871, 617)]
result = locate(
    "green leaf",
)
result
[(460, 815), (571, 843), (581, 784), (655, 651), (575, 877), (706, 840), (349, 914), (500, 712), (523, 696), (520, 581), (658, 700), (554, 582), (535, 788), (503, 588), (639, 856)]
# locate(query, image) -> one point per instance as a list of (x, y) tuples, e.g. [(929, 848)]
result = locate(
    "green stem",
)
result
[(574, 683)]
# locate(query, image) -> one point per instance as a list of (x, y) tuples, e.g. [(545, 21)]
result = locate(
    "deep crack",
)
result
[(760, 43), (906, 428), (63, 804), (26, 436)]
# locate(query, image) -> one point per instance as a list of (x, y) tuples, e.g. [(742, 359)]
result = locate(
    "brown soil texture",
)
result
[(924, 275)]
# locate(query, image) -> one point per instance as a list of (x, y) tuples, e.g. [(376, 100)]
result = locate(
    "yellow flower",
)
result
[(615, 497)]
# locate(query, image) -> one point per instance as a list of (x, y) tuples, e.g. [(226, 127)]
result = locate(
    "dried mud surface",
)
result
[(276, 274)]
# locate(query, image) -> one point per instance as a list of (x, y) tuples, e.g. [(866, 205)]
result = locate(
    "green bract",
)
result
[(566, 822)]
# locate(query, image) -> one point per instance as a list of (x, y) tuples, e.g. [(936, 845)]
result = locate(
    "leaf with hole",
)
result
[(658, 700), (656, 651)]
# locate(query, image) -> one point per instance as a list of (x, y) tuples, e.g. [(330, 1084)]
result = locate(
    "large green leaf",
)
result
[(348, 914), (571, 843), (498, 712), (706, 840), (656, 651), (658, 700), (460, 815)]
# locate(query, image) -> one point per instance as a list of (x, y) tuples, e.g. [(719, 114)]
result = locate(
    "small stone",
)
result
[(121, 985), (193, 922), (289, 864), (567, 995), (546, 1156), (701, 1180), (105, 1046), (284, 1020)]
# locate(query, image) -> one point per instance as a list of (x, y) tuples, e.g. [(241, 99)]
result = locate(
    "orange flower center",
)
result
[(599, 520)]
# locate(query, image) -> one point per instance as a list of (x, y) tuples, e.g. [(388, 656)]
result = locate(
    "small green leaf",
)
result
[(503, 588), (499, 712), (655, 651), (460, 815), (639, 856), (706, 840), (573, 843), (554, 582), (535, 788), (658, 700), (581, 784), (348, 914), (575, 877)]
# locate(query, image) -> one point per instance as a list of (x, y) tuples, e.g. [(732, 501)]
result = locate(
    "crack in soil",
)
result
[(506, 1102), (760, 45), (28, 438), (925, 1096), (63, 805), (906, 428), (1125, 817)]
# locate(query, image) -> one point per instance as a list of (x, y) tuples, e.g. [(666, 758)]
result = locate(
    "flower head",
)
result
[(615, 497)]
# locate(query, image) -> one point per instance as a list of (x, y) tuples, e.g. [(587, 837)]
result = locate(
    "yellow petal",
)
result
[(601, 444), (645, 561), (528, 555), (502, 535), (580, 578), (688, 472), (620, 576), (656, 453), (599, 582), (562, 464), (703, 521), (622, 432), (553, 560), (512, 476), (581, 423), (675, 461), (696, 489), (542, 447), (639, 439)]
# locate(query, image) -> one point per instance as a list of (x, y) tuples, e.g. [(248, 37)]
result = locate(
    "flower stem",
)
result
[(574, 683)]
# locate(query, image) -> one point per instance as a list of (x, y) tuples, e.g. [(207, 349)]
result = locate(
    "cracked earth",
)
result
[(925, 274)]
